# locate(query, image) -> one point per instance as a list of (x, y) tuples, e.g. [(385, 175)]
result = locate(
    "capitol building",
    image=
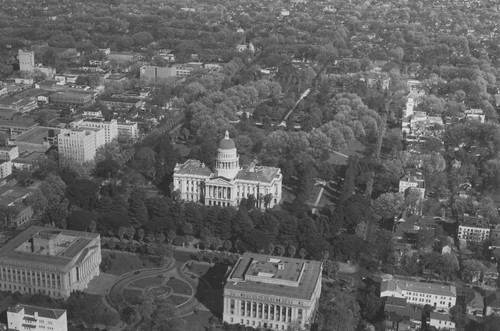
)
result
[(228, 183)]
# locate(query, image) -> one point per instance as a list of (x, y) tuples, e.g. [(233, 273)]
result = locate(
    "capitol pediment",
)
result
[(219, 181)]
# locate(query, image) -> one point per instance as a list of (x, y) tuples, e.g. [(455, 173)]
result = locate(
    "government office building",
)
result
[(53, 262), (228, 183), (272, 292)]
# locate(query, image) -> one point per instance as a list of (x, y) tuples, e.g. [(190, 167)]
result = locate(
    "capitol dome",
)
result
[(227, 143)]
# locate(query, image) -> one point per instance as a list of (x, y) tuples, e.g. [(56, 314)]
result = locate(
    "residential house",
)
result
[(490, 275), (492, 304), (401, 316), (441, 321), (475, 306)]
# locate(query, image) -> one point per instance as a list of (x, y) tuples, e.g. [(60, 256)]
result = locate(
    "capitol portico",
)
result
[(229, 183)]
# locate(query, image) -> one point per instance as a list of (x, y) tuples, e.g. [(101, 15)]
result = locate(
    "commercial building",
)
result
[(16, 127), (24, 317), (155, 74), (110, 127), (53, 262), (419, 293), (38, 139), (272, 292), (76, 146), (229, 183), (474, 228), (18, 105), (72, 99)]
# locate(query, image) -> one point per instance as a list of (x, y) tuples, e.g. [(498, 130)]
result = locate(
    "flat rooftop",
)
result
[(68, 246), (278, 276), (41, 311), (397, 284), (37, 135)]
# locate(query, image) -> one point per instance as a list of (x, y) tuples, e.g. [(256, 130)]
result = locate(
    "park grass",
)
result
[(132, 296), (177, 300), (199, 322), (179, 286), (122, 262), (198, 268), (145, 282)]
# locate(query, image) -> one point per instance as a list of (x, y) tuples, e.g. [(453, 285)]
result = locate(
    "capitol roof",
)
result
[(227, 143)]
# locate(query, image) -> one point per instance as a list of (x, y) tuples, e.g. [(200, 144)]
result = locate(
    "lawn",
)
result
[(198, 269), (177, 300), (199, 322), (179, 286), (132, 296), (122, 262), (145, 282)]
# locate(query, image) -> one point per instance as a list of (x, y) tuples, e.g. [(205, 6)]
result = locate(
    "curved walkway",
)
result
[(172, 271)]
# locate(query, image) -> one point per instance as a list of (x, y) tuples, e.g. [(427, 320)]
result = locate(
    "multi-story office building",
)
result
[(272, 292), (229, 183), (26, 60), (9, 153), (53, 262), (5, 168), (76, 146), (128, 130), (474, 228), (110, 127), (420, 293), (24, 317)]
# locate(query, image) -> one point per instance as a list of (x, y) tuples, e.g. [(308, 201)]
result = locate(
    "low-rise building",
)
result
[(25, 317), (490, 275), (475, 306), (53, 262), (475, 114), (5, 168), (18, 105), (120, 103), (419, 293), (415, 182), (13, 201), (16, 127), (474, 228), (72, 99), (38, 139), (492, 304), (272, 292), (441, 321), (401, 316)]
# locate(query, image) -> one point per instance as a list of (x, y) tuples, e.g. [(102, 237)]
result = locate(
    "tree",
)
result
[(471, 270), (82, 219), (302, 253), (389, 205), (331, 268), (83, 193), (147, 308), (292, 250), (107, 169), (280, 249)]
